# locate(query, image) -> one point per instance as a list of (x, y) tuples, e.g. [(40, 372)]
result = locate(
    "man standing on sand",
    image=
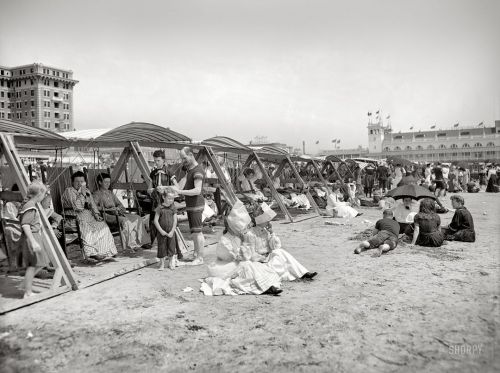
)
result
[(191, 187)]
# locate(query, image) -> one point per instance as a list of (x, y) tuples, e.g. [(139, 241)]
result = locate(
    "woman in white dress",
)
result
[(266, 248), (233, 273), (337, 207)]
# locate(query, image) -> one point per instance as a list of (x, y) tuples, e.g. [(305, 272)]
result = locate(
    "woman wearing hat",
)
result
[(267, 248), (233, 273)]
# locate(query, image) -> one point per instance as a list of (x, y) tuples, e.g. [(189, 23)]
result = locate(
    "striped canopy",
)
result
[(26, 136), (147, 134), (226, 144), (142, 132)]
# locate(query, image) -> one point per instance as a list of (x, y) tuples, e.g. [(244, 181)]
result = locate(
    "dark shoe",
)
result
[(273, 290), (309, 275), (359, 214), (147, 246)]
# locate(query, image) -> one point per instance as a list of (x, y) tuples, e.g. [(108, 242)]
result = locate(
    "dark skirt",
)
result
[(492, 187), (433, 239), (167, 246)]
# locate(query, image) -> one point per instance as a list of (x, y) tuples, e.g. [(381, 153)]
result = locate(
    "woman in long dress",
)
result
[(233, 273), (77, 201), (266, 248), (133, 228), (342, 209)]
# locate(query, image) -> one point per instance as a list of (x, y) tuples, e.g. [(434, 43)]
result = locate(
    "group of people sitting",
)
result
[(95, 212), (421, 227), (250, 258)]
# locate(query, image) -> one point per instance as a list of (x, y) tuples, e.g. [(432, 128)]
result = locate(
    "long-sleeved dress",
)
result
[(429, 229), (461, 227), (96, 236), (233, 273), (279, 260), (132, 225)]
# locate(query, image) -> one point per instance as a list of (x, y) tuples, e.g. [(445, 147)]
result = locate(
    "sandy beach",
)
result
[(414, 309)]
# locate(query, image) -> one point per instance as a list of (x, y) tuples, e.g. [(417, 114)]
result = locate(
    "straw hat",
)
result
[(264, 214)]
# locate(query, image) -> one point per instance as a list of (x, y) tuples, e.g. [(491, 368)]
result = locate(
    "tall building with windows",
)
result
[(37, 95)]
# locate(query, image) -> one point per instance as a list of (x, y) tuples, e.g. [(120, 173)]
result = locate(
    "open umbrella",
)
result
[(412, 191)]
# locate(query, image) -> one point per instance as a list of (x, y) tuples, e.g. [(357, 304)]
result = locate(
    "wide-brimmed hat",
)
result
[(238, 218), (264, 214)]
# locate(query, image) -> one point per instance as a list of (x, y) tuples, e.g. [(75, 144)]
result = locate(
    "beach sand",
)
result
[(413, 309)]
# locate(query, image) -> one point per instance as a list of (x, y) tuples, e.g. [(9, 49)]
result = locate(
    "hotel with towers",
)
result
[(478, 142)]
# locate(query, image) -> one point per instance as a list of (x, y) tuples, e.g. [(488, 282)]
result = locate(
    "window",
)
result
[(398, 137), (56, 115), (25, 114), (32, 124), (466, 154), (387, 149), (441, 135), (420, 147), (409, 148), (2, 104), (478, 145), (465, 145), (32, 114), (419, 136), (56, 94), (32, 92), (56, 84), (32, 103), (430, 147), (397, 148), (490, 144), (442, 146), (8, 115), (453, 146), (25, 103), (465, 133), (56, 105), (2, 114)]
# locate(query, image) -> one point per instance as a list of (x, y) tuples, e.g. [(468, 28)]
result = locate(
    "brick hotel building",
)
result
[(37, 95)]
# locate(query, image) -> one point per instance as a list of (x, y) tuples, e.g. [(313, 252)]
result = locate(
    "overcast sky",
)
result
[(286, 69)]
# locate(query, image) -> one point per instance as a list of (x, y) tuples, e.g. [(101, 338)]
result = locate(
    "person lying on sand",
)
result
[(385, 236)]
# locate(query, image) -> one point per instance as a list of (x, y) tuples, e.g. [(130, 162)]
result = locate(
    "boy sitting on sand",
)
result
[(385, 236)]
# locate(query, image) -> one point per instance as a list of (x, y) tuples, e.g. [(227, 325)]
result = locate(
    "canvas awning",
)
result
[(29, 137)]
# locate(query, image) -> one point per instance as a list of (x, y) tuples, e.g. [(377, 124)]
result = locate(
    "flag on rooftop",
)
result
[(378, 111), (388, 117), (480, 124), (411, 127), (317, 142), (334, 140), (338, 141), (369, 114), (456, 124)]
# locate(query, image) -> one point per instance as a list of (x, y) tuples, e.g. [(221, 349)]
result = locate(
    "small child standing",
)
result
[(386, 235), (34, 253), (165, 221)]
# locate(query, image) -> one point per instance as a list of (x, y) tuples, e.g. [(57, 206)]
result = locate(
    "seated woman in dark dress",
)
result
[(427, 225), (461, 227)]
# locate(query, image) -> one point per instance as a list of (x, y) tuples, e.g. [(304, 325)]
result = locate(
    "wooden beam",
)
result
[(54, 252), (120, 166), (304, 185), (274, 192), (227, 188)]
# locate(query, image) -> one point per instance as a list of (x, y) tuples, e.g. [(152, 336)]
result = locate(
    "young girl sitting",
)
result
[(34, 253), (165, 221)]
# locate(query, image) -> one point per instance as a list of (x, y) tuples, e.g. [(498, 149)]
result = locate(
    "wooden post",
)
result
[(64, 273), (304, 185), (269, 183)]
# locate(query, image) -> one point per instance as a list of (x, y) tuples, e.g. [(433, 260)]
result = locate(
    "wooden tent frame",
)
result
[(64, 279), (286, 160)]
